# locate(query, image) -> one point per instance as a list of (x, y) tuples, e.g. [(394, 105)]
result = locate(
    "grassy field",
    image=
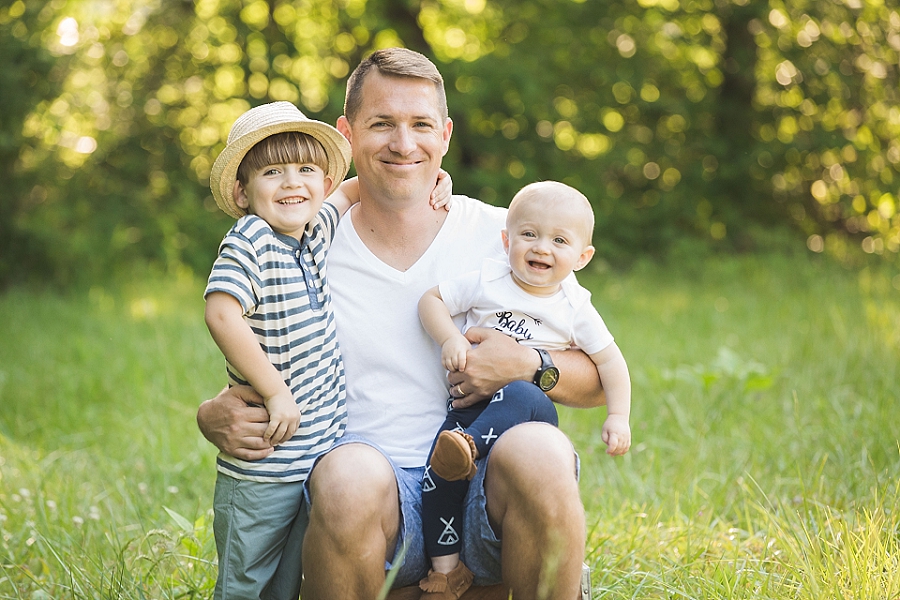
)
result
[(765, 461)]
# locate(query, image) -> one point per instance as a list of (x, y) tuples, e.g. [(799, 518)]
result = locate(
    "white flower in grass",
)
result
[(51, 504), (172, 489), (78, 521), (142, 488), (94, 513)]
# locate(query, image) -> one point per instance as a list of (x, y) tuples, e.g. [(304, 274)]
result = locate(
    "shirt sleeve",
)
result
[(460, 293), (236, 272), (590, 333), (328, 219)]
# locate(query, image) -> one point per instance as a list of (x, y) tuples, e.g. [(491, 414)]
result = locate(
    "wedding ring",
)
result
[(459, 391)]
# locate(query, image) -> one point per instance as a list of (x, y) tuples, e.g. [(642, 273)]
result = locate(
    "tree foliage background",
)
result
[(712, 121)]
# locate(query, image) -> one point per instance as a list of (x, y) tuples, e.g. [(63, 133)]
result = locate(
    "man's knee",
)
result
[(534, 451), (532, 467), (354, 479)]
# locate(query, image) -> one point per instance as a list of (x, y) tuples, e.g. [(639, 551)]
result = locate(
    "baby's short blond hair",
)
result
[(554, 194)]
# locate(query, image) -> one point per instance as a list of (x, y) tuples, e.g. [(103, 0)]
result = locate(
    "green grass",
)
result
[(765, 460)]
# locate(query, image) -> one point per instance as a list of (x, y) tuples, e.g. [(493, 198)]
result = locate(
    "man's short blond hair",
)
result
[(553, 194), (393, 62)]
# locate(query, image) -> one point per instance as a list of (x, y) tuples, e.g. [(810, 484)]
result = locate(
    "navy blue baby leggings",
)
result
[(442, 500)]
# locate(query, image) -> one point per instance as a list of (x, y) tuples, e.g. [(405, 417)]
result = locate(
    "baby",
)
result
[(534, 299)]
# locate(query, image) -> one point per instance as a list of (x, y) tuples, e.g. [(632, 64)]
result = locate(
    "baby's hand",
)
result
[(453, 353), (441, 195), (284, 418), (616, 434)]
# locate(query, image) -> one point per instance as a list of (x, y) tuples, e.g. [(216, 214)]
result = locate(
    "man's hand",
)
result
[(494, 361), (234, 427)]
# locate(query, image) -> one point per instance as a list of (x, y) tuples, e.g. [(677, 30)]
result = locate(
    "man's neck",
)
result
[(398, 236)]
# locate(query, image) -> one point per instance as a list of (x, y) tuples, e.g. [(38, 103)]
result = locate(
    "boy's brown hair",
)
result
[(282, 148)]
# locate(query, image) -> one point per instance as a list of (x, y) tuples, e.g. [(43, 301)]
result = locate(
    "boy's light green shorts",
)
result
[(259, 531)]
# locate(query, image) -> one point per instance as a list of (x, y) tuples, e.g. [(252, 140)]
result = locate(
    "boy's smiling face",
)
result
[(286, 196)]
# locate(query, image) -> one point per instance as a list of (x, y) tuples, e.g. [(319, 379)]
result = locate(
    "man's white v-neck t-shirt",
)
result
[(396, 385)]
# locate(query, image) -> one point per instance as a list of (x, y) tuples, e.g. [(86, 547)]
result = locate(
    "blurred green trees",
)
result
[(702, 119)]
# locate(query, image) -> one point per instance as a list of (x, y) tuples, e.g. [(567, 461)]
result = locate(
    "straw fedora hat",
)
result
[(259, 123)]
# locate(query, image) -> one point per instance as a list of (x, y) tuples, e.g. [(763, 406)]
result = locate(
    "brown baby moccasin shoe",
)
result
[(454, 456), (446, 586)]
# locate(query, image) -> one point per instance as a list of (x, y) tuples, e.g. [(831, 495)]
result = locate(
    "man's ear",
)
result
[(240, 196), (343, 125), (505, 235), (586, 255), (446, 134)]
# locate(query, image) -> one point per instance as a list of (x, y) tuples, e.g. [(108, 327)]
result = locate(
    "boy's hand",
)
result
[(284, 418), (616, 434), (453, 353), (442, 192)]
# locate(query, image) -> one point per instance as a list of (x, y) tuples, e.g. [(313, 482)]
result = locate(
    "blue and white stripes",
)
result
[(282, 287)]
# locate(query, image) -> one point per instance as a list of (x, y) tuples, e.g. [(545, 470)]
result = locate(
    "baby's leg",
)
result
[(442, 503), (518, 402)]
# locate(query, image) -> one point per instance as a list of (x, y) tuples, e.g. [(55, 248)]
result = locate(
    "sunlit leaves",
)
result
[(461, 29), (675, 117), (837, 71)]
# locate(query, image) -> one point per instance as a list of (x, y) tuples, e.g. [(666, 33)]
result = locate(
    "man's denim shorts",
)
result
[(480, 544), (481, 548)]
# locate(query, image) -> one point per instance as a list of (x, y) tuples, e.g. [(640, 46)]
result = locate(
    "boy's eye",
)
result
[(307, 169), (270, 171)]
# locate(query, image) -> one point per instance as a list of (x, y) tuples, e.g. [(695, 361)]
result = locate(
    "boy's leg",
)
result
[(285, 583), (519, 402), (253, 522)]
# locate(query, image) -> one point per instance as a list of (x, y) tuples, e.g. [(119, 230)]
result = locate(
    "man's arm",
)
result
[(496, 360), (233, 426)]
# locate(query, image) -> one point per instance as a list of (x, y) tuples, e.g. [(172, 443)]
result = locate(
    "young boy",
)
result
[(534, 300), (268, 308)]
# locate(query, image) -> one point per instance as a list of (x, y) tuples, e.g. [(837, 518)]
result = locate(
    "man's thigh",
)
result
[(354, 457), (485, 501)]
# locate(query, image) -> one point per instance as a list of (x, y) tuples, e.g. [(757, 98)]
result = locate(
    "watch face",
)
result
[(549, 379)]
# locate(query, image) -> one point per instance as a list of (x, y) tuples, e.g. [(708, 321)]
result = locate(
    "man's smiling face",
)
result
[(399, 137)]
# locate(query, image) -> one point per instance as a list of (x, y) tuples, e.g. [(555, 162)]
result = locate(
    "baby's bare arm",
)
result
[(613, 370)]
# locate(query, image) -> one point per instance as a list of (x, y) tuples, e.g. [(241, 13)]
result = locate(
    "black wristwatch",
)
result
[(546, 376)]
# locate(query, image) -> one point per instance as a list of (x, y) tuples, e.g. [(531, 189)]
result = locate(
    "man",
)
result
[(365, 494)]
